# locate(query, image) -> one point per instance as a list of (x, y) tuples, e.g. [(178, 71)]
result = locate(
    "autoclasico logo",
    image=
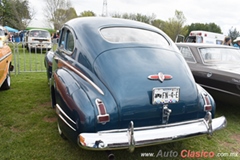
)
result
[(189, 154), (186, 154), (196, 154)]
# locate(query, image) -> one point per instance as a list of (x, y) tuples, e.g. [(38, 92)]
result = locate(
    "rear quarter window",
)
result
[(187, 54)]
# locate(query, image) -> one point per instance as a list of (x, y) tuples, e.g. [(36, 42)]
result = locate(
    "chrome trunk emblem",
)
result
[(160, 76)]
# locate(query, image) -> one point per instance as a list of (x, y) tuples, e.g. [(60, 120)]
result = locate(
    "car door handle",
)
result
[(209, 74)]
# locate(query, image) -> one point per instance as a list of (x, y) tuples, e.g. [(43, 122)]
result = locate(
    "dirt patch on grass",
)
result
[(235, 145), (15, 130), (236, 138), (50, 119), (46, 104)]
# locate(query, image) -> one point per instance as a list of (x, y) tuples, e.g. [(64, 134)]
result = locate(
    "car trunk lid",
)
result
[(125, 72)]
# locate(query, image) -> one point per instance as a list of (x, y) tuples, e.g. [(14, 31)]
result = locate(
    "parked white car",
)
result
[(37, 39)]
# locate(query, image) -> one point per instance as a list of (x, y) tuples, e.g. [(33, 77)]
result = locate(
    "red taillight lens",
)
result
[(102, 117), (207, 104), (207, 108)]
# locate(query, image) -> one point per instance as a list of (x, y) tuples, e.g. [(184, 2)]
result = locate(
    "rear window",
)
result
[(132, 35), (220, 55), (195, 39), (38, 33)]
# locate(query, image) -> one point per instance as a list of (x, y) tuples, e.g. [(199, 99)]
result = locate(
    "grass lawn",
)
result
[(28, 129)]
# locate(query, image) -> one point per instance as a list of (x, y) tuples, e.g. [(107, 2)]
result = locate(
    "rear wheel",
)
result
[(6, 84)]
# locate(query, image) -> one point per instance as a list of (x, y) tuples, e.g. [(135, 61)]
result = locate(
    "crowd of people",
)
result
[(228, 41), (18, 36), (55, 36)]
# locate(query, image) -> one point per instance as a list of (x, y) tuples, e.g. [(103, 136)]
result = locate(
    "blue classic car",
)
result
[(118, 83)]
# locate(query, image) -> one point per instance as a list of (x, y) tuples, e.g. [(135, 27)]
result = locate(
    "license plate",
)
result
[(165, 95)]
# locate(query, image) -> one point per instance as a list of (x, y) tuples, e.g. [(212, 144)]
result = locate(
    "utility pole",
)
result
[(104, 9)]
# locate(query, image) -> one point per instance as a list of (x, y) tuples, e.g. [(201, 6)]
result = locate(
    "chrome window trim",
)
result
[(5, 56), (224, 91)]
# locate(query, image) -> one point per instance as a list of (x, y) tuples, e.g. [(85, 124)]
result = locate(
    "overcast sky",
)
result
[(225, 14)]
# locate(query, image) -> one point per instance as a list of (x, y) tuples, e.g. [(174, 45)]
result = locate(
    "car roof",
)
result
[(88, 35)]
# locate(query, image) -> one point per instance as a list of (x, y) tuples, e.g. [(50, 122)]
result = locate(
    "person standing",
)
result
[(227, 41), (237, 42)]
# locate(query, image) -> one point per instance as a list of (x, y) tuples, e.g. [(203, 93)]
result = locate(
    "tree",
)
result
[(211, 27), (87, 14), (63, 16), (137, 17), (15, 13), (233, 34), (58, 12), (175, 26), (158, 23), (116, 15)]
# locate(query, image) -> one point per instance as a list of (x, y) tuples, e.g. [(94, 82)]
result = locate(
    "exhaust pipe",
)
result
[(110, 155)]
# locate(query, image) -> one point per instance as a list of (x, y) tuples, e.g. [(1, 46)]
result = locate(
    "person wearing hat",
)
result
[(237, 42), (227, 41)]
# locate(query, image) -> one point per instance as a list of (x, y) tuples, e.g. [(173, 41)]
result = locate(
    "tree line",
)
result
[(18, 14), (15, 13)]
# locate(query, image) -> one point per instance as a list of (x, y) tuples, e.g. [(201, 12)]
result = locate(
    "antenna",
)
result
[(104, 9)]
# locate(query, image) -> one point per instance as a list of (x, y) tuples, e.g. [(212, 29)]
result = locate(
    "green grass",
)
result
[(28, 129)]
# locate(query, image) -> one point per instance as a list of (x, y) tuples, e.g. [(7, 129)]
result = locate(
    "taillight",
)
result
[(207, 108), (102, 116), (207, 104)]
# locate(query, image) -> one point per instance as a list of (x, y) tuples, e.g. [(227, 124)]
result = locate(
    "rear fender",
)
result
[(69, 94), (92, 94), (76, 98)]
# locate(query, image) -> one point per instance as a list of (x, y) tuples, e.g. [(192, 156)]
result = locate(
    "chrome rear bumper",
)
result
[(146, 136)]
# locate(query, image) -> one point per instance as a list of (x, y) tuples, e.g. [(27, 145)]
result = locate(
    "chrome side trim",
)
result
[(58, 111), (81, 75), (5, 56), (220, 90), (146, 136)]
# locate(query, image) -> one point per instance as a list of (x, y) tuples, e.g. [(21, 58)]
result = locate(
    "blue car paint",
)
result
[(130, 86), (106, 65)]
